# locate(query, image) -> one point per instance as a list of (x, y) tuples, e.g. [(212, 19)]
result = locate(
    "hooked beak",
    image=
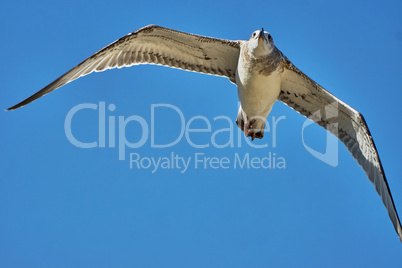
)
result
[(261, 34)]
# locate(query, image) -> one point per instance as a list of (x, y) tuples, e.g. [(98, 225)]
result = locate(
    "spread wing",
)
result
[(156, 45), (308, 98)]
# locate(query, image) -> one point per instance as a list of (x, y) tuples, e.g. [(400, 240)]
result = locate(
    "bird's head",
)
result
[(260, 43)]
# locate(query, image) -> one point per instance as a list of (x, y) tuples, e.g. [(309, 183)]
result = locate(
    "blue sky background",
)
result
[(63, 206)]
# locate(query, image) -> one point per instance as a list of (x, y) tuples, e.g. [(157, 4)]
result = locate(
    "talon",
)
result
[(253, 129), (259, 135)]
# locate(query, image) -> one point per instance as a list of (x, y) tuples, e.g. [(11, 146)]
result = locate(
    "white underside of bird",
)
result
[(262, 75), (257, 94)]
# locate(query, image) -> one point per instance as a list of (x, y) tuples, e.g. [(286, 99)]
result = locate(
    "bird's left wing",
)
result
[(156, 45), (311, 100)]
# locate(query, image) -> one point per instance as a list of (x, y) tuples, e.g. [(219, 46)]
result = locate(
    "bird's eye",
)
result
[(269, 37), (253, 35)]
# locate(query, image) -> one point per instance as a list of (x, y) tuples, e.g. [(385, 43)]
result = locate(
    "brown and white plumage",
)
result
[(263, 75), (155, 45), (305, 96)]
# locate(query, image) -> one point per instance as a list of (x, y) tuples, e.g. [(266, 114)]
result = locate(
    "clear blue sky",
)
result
[(64, 206)]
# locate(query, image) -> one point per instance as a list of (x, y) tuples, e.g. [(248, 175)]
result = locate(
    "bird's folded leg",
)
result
[(253, 127)]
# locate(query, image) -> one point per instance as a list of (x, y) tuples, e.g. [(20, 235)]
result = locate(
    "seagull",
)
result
[(262, 74)]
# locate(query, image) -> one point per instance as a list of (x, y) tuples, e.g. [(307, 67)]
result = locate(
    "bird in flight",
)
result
[(262, 74)]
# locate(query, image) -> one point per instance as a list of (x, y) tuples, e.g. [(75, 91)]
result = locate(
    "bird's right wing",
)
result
[(156, 45)]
